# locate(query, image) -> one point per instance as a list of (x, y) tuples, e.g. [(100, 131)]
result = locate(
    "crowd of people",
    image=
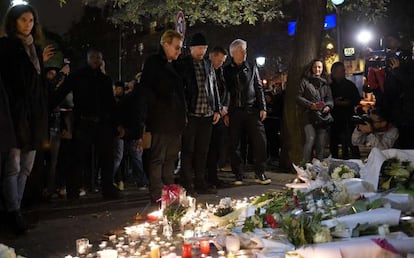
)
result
[(192, 112)]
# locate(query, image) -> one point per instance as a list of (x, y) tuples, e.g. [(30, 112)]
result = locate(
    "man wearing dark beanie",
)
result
[(203, 110)]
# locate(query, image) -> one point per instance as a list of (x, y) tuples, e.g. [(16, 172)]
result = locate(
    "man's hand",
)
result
[(365, 128), (394, 63), (326, 109), (314, 106), (121, 131), (65, 69), (226, 120), (216, 118), (263, 115), (224, 111), (139, 146), (48, 52)]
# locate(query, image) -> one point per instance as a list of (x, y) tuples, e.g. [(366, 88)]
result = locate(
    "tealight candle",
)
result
[(205, 246), (155, 251), (221, 253), (232, 244), (108, 253), (82, 245), (186, 252), (103, 244)]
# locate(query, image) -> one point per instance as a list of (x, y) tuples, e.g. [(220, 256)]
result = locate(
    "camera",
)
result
[(404, 56), (66, 61), (361, 120)]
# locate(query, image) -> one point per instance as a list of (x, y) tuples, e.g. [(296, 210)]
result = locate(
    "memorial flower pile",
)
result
[(396, 174)]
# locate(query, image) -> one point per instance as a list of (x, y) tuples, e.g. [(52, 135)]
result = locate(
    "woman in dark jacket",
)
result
[(20, 69), (7, 138), (315, 96)]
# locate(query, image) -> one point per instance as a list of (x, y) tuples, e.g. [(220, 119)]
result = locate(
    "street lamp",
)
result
[(336, 4), (18, 2), (364, 37), (260, 61)]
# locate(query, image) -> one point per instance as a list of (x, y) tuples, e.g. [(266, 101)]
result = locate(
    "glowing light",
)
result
[(329, 46), (18, 2), (337, 2), (364, 36), (261, 60)]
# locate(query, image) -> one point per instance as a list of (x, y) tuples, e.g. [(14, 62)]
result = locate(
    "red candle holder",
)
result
[(205, 246), (186, 253)]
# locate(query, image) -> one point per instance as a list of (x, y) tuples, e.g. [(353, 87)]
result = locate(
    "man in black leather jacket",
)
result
[(247, 110), (203, 107)]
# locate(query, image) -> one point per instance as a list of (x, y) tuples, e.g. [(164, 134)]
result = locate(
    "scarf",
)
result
[(30, 48)]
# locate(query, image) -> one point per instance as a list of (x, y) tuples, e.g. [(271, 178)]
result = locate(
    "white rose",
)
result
[(322, 236)]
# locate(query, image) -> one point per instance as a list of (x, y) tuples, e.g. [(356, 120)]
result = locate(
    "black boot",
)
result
[(17, 222)]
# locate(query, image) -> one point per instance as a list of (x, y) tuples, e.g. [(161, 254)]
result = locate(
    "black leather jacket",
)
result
[(244, 86), (186, 67)]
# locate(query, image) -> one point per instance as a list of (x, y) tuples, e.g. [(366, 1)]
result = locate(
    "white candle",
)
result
[(232, 244), (108, 253)]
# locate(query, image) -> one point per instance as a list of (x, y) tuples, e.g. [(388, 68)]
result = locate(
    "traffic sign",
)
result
[(180, 24)]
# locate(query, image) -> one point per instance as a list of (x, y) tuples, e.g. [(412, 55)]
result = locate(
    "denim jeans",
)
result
[(135, 157), (118, 153), (314, 137), (18, 166)]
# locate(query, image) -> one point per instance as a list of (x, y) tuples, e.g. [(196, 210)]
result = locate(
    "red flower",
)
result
[(295, 201), (270, 220)]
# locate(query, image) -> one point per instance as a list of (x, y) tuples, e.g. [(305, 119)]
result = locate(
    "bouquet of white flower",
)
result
[(343, 172)]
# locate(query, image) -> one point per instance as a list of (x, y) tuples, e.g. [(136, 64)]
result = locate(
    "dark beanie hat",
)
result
[(198, 40)]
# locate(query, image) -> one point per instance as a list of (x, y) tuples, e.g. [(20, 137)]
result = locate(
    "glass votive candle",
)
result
[(102, 245), (186, 252), (221, 253), (155, 251), (205, 246), (82, 246)]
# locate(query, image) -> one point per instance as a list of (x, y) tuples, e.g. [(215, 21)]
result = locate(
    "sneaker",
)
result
[(82, 192), (143, 187), (262, 179), (239, 179), (121, 186)]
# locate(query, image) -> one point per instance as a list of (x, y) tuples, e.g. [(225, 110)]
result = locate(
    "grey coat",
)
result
[(313, 90)]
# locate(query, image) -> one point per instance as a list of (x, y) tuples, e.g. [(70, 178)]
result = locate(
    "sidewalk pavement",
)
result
[(59, 223)]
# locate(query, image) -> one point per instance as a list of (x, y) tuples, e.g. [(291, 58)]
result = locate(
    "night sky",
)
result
[(55, 18)]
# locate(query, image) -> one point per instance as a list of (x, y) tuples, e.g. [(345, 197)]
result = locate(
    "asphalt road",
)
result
[(59, 223)]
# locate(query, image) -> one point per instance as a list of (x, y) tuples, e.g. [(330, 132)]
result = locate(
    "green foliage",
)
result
[(174, 212), (221, 212), (373, 10), (361, 205), (396, 174), (223, 12), (301, 228)]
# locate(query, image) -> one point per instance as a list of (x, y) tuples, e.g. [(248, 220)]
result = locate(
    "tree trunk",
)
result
[(307, 45)]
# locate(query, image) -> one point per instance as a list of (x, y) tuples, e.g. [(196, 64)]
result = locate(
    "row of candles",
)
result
[(155, 238), (151, 240)]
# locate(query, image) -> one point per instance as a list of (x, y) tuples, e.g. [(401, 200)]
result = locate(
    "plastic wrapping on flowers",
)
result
[(287, 210), (396, 174)]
